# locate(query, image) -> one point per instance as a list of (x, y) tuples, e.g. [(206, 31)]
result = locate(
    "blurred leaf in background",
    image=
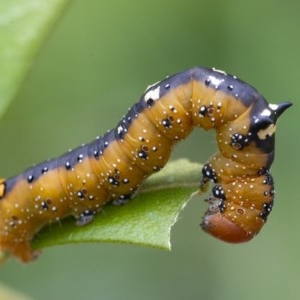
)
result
[(7, 293), (24, 25)]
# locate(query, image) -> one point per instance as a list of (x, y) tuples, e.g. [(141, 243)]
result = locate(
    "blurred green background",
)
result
[(96, 64)]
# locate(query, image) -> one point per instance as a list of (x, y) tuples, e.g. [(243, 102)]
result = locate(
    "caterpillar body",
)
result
[(112, 167)]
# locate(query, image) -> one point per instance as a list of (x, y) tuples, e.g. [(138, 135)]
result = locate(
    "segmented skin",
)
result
[(112, 167)]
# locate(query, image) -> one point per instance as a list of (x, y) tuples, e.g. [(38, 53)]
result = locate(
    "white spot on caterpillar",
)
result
[(219, 71), (264, 133), (273, 106), (151, 85), (266, 113), (119, 129), (152, 94), (215, 81)]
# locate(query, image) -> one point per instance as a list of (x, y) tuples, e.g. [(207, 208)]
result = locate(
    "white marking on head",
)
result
[(269, 131), (266, 113), (273, 106), (152, 94)]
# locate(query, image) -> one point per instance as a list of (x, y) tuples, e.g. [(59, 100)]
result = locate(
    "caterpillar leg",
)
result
[(208, 175), (85, 218), (123, 199), (119, 202)]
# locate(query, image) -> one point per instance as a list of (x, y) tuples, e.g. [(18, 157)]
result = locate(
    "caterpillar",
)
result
[(112, 167)]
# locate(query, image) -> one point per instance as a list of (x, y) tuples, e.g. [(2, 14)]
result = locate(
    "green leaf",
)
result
[(24, 25), (146, 220)]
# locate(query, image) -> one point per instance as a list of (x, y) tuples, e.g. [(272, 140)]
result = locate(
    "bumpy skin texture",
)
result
[(113, 166)]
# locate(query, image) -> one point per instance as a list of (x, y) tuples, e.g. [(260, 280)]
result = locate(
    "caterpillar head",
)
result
[(278, 109), (264, 124)]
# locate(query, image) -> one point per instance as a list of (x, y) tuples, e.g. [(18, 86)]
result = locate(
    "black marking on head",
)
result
[(280, 108), (263, 119)]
